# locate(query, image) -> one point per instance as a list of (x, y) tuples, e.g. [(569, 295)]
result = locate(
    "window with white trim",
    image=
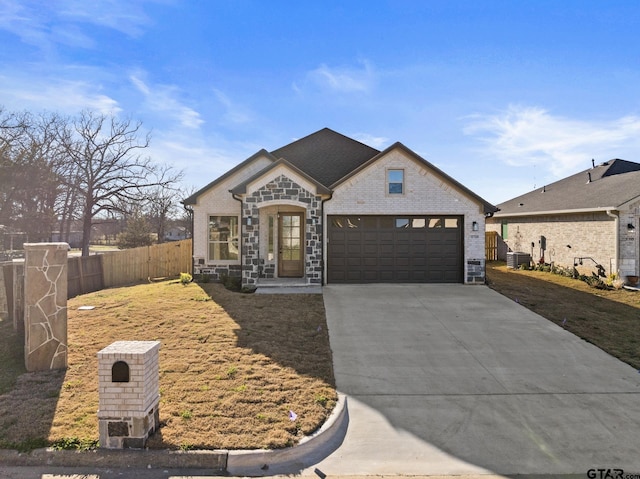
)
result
[(223, 238), (395, 182)]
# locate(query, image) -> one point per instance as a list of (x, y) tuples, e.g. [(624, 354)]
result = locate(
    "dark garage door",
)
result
[(395, 249)]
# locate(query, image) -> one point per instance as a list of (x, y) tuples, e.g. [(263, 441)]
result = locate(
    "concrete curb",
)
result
[(218, 460), (149, 458), (307, 452)]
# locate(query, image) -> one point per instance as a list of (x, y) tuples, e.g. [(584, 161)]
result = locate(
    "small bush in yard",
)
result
[(185, 278)]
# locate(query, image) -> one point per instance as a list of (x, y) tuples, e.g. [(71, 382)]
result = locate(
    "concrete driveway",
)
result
[(454, 379)]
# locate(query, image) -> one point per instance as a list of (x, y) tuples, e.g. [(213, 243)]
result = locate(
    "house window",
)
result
[(505, 230), (223, 238), (395, 182)]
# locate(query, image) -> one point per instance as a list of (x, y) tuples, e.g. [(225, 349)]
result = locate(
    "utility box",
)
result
[(128, 393), (515, 259)]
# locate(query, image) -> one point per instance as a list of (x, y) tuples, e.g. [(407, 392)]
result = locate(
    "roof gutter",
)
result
[(504, 214), (189, 209), (616, 219)]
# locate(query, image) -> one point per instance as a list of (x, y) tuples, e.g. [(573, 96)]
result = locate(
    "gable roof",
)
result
[(327, 158), (613, 184), (487, 207), (326, 155), (192, 200), (241, 188)]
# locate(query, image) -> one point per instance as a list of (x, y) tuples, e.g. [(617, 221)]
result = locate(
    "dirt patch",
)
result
[(232, 366), (607, 318)]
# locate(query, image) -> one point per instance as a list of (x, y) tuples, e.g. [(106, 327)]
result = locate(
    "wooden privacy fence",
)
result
[(119, 268), (491, 245)]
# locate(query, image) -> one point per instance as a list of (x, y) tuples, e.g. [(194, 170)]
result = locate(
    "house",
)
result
[(176, 233), (329, 209), (587, 220)]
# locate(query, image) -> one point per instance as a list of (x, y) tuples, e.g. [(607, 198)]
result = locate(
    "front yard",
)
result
[(232, 366)]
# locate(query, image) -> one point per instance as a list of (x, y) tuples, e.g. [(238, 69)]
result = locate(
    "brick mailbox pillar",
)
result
[(129, 393)]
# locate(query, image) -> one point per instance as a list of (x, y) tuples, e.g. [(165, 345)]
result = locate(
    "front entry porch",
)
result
[(287, 286)]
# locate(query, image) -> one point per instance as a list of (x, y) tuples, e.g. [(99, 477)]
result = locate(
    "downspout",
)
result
[(324, 239), (617, 240), (241, 239), (190, 213)]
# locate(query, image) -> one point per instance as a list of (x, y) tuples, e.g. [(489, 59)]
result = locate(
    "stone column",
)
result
[(45, 306)]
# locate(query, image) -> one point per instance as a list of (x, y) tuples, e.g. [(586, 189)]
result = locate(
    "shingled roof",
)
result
[(326, 155), (607, 186)]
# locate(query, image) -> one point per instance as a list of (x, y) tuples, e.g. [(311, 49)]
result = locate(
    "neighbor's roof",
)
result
[(613, 184)]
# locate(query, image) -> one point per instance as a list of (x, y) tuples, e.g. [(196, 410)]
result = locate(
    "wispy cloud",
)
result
[(377, 142), (164, 99), (522, 136), (233, 112), (126, 17), (343, 79), (60, 95), (45, 24)]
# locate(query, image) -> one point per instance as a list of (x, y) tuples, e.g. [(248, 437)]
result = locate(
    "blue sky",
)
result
[(504, 96)]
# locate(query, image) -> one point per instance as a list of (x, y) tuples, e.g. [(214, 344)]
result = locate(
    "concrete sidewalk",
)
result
[(454, 379)]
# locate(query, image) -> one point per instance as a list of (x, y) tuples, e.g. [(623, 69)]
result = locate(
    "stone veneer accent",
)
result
[(283, 189), (128, 409), (45, 309), (475, 271)]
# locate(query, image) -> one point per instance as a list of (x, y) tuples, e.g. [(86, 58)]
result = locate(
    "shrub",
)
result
[(232, 283), (185, 278)]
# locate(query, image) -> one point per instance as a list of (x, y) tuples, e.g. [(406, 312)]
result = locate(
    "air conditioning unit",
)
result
[(515, 259)]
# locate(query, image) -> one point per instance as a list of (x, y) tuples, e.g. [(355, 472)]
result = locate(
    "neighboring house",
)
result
[(176, 233), (74, 238), (588, 219), (329, 209)]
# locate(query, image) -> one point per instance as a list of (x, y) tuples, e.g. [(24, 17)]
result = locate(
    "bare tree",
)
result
[(161, 207), (109, 169), (29, 180)]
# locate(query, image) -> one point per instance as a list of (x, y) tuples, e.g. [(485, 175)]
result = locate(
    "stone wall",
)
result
[(45, 310), (285, 190)]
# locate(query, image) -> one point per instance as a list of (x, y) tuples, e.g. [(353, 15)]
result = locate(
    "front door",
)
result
[(291, 252)]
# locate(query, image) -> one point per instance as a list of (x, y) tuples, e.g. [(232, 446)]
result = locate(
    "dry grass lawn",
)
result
[(232, 366), (607, 318)]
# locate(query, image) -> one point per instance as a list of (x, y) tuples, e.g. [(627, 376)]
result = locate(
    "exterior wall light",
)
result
[(474, 226), (630, 227)]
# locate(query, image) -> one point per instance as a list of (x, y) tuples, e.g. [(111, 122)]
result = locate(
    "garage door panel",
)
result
[(386, 261), (395, 249), (370, 249), (386, 249)]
